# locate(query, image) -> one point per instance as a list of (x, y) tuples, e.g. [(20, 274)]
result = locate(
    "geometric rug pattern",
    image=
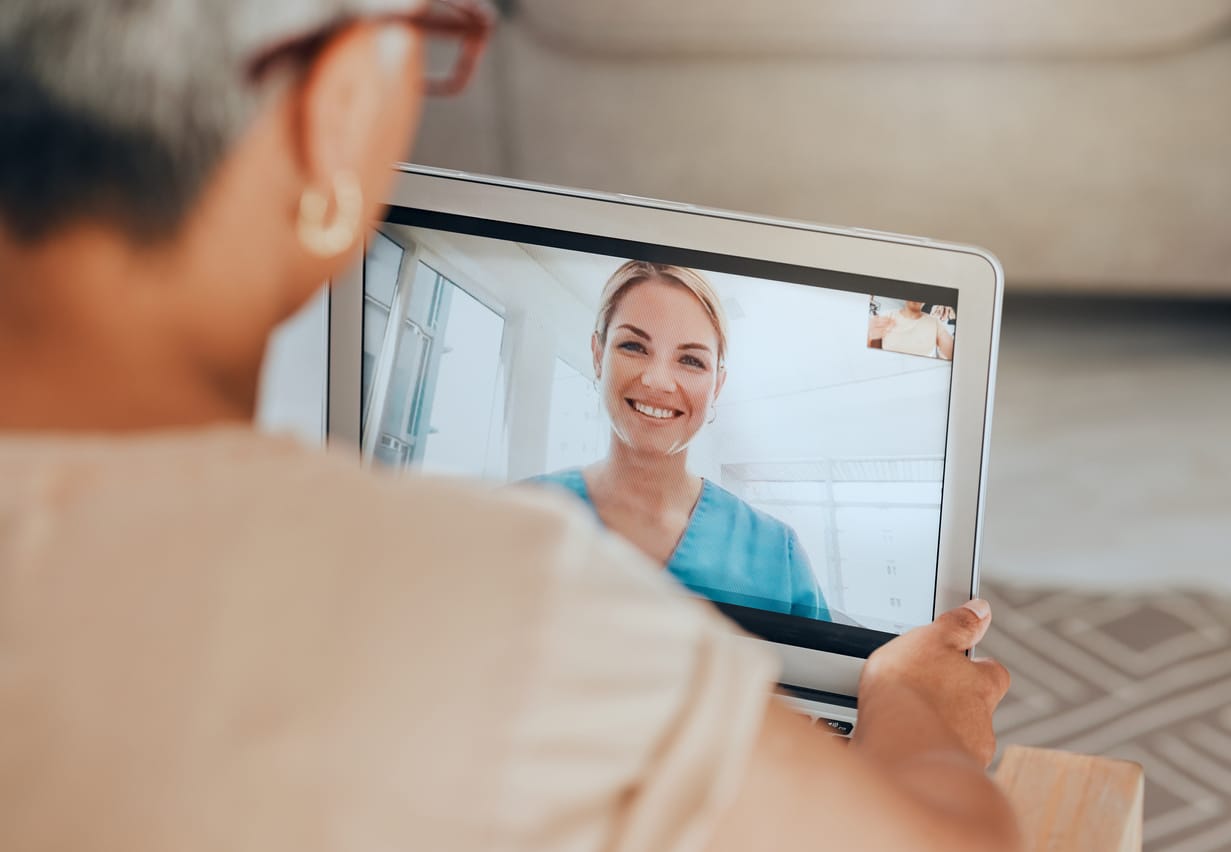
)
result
[(1142, 677)]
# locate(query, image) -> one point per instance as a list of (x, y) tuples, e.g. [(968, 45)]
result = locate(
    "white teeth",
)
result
[(660, 413)]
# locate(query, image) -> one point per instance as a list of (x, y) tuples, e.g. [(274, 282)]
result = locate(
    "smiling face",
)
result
[(658, 370)]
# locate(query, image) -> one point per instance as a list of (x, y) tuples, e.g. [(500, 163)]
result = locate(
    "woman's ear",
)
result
[(722, 380), (353, 114), (596, 351)]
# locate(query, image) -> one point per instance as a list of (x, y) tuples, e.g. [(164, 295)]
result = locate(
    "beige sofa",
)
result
[(1086, 142)]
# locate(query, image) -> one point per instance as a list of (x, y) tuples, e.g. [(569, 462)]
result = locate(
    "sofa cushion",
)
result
[(1102, 175), (877, 27)]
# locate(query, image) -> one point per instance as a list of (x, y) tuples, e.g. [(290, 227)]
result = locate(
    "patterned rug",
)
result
[(1141, 677)]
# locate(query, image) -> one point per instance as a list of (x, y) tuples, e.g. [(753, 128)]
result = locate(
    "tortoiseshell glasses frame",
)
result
[(467, 24)]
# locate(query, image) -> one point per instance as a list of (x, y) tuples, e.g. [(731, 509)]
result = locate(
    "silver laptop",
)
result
[(841, 453)]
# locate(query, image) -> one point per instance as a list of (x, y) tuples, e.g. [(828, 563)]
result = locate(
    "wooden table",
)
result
[(1074, 802)]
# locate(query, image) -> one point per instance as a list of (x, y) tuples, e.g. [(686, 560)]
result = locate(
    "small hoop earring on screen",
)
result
[(329, 239), (713, 415)]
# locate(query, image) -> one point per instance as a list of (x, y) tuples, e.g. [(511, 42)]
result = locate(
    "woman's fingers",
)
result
[(996, 675), (961, 628)]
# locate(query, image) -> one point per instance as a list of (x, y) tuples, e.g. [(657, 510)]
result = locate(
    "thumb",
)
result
[(964, 626)]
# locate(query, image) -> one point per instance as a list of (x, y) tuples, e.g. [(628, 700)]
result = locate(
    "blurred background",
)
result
[(1087, 143)]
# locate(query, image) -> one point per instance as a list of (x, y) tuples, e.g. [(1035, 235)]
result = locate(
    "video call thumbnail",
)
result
[(812, 417), (911, 328)]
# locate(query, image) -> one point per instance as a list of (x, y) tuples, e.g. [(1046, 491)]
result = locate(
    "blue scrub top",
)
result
[(733, 553)]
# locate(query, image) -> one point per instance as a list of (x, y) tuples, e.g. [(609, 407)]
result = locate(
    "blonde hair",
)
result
[(635, 272)]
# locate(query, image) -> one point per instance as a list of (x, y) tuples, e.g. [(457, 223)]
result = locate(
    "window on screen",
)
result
[(440, 401)]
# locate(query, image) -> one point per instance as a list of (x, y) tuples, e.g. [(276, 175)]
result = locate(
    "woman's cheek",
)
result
[(700, 392)]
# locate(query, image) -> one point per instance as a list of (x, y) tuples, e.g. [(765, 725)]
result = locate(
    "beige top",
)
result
[(912, 335), (219, 641)]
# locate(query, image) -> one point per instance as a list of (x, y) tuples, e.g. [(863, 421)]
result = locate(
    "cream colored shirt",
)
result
[(218, 641), (912, 335)]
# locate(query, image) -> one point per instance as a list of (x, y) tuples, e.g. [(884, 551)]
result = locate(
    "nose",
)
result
[(657, 376)]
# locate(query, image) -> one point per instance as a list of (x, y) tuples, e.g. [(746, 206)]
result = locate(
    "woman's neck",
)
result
[(79, 389), (656, 482), (86, 346)]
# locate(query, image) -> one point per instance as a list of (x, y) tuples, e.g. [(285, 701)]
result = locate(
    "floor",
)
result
[(1111, 452), (1141, 677)]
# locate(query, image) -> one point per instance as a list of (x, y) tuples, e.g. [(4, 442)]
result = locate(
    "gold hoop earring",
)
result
[(331, 239)]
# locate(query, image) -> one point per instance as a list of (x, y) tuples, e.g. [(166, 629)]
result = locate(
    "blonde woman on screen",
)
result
[(660, 347)]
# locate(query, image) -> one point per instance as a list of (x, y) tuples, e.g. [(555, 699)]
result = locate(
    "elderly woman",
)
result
[(660, 349), (205, 643)]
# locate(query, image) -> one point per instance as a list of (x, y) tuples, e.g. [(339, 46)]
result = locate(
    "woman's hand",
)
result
[(920, 693), (914, 776)]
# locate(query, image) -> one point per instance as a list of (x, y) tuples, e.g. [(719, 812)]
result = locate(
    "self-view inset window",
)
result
[(911, 328)]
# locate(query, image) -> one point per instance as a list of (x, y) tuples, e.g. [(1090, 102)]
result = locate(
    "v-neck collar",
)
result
[(704, 500)]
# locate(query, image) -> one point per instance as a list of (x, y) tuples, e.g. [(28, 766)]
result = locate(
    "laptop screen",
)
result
[(772, 435)]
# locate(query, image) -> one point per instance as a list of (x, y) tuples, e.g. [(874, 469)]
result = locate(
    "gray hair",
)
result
[(122, 109)]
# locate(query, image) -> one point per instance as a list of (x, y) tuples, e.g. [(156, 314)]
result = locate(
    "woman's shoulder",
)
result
[(570, 479), (214, 496), (450, 518), (566, 476), (739, 511)]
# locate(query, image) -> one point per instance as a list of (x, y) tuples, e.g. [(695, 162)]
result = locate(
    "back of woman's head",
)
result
[(120, 110)]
